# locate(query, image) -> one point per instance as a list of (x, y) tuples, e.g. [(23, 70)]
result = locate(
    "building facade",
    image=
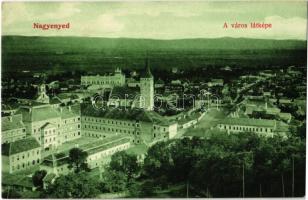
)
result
[(12, 128), (20, 155), (117, 79), (261, 127)]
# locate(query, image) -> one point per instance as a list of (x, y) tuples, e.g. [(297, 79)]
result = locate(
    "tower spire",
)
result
[(147, 73)]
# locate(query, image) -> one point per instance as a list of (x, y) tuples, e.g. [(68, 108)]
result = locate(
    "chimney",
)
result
[(69, 108), (61, 109)]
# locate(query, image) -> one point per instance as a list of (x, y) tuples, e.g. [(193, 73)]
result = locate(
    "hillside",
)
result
[(100, 54), (79, 44)]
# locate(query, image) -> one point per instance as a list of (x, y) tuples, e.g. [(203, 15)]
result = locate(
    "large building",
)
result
[(99, 154), (12, 128), (108, 81), (20, 155), (262, 127), (140, 125), (51, 126), (35, 118)]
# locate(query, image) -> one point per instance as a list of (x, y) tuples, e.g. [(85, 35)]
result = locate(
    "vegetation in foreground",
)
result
[(222, 165)]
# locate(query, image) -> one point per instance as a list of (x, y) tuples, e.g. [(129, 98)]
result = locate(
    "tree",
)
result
[(73, 185), (157, 161), (38, 177), (114, 181), (78, 160), (126, 163)]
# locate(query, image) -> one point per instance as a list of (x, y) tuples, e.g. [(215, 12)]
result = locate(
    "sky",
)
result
[(157, 19)]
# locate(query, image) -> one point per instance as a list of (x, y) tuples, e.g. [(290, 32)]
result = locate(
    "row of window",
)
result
[(39, 129), (94, 135), (50, 139), (25, 155), (158, 128), (102, 82), (15, 132), (50, 131), (25, 165), (74, 135), (110, 129), (241, 128), (72, 120), (90, 119)]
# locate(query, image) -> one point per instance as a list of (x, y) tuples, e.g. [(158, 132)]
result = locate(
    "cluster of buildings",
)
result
[(268, 106), (36, 131), (39, 132)]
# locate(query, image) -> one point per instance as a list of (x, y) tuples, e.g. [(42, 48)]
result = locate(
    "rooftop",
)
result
[(115, 113), (19, 146), (249, 122), (12, 122), (91, 148), (106, 146), (69, 111), (37, 113), (125, 92)]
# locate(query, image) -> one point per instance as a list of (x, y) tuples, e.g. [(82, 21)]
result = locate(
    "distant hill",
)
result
[(79, 44), (98, 55)]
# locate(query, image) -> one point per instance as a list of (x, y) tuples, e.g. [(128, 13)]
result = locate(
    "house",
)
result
[(20, 155), (99, 154), (262, 127), (36, 116), (12, 128)]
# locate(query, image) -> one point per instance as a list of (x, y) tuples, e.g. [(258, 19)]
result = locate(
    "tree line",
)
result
[(220, 165)]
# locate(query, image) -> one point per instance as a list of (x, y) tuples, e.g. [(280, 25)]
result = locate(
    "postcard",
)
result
[(153, 99)]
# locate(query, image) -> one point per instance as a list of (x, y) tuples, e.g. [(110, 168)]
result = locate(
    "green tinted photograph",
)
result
[(153, 99)]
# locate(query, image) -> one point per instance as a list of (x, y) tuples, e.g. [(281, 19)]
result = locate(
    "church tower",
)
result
[(147, 89), (42, 97)]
